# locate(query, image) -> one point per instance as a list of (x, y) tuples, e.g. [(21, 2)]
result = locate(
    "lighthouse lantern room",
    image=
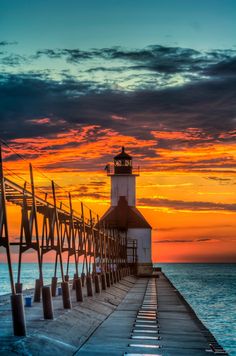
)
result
[(123, 213)]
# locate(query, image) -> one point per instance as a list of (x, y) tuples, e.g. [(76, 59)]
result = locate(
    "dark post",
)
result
[(34, 211), (111, 277), (18, 315), (67, 278), (19, 287), (108, 279), (103, 281), (47, 302), (114, 276), (54, 286), (76, 276), (82, 279), (66, 295), (78, 290), (89, 286), (37, 291), (97, 284), (58, 233), (18, 312)]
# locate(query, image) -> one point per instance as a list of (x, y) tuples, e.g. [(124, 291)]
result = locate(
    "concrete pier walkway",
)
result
[(153, 319), (137, 316)]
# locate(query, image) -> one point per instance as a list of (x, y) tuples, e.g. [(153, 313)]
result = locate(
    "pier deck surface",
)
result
[(180, 332), (116, 322)]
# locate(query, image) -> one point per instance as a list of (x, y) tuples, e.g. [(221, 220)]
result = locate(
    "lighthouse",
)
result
[(123, 214)]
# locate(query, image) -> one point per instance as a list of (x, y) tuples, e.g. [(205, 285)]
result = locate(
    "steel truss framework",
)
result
[(62, 230)]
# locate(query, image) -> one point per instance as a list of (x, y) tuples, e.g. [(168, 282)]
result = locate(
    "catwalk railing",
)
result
[(49, 225)]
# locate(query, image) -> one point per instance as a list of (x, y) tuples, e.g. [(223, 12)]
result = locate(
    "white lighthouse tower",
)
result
[(123, 213)]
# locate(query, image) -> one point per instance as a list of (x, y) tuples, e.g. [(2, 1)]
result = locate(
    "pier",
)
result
[(136, 316)]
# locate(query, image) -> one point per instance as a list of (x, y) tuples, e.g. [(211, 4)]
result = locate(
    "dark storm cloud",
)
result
[(227, 67), (27, 97), (187, 205), (207, 104), (171, 60), (155, 58), (158, 58)]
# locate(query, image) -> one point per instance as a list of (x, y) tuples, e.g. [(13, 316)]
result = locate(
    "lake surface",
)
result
[(211, 290)]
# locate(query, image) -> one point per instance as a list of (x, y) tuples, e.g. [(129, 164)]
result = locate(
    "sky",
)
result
[(78, 80)]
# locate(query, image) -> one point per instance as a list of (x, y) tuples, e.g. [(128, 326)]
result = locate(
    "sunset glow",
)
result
[(191, 210)]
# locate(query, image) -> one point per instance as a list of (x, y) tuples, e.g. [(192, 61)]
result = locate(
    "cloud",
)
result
[(154, 58), (72, 55), (203, 239), (192, 227), (187, 205), (177, 124), (14, 60), (227, 67), (174, 125), (8, 43), (77, 149), (219, 179), (198, 106)]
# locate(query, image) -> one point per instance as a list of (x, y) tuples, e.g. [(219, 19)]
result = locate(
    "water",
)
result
[(211, 290), (30, 273)]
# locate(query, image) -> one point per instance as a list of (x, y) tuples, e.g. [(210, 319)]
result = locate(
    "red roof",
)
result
[(125, 217)]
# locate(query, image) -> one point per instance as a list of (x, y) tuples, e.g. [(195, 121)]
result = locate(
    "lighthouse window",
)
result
[(123, 163)]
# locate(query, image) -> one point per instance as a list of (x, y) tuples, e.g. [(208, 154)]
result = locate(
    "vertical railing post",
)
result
[(59, 252), (88, 277), (72, 236), (96, 276), (84, 237), (17, 306), (4, 224), (64, 284), (101, 246), (34, 222)]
